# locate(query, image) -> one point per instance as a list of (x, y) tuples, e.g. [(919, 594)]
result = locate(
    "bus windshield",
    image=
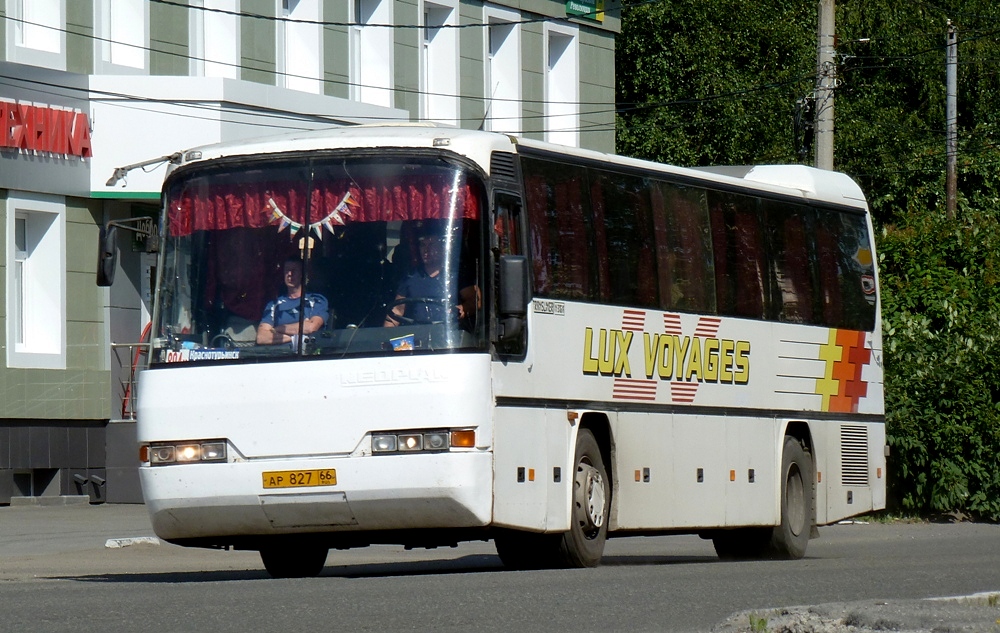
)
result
[(385, 258)]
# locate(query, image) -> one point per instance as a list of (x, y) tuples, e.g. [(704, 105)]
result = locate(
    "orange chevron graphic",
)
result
[(842, 386)]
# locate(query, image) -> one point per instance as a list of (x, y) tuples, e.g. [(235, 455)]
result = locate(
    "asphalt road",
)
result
[(56, 574)]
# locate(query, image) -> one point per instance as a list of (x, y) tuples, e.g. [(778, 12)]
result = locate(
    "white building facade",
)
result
[(87, 87)]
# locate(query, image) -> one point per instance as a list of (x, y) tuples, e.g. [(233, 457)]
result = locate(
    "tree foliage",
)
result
[(716, 82)]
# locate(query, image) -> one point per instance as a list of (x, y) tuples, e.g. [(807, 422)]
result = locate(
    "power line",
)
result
[(272, 18), (277, 73)]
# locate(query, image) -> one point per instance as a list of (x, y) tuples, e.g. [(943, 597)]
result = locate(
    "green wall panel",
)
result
[(168, 39), (336, 50), (79, 36), (257, 43)]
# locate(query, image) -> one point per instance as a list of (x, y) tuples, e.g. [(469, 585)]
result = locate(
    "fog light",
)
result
[(436, 441), (411, 442), (383, 443)]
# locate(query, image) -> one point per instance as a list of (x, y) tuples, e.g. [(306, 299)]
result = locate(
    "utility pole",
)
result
[(826, 78), (951, 120)]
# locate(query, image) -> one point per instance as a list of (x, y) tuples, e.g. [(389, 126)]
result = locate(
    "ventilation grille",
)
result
[(503, 167), (853, 455)]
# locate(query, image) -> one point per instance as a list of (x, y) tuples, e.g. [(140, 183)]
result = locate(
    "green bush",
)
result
[(941, 312)]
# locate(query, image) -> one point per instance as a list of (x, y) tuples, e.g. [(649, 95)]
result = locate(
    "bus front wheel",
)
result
[(583, 544), (294, 562), (790, 538)]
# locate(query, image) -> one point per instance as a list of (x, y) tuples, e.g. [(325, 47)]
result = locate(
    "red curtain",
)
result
[(251, 204)]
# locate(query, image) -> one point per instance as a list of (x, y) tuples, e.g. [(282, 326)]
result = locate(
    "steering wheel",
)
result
[(225, 340), (418, 301)]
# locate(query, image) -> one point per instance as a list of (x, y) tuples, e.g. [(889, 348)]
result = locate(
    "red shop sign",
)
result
[(46, 129)]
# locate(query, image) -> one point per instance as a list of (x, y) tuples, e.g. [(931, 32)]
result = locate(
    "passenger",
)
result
[(280, 323), (426, 296)]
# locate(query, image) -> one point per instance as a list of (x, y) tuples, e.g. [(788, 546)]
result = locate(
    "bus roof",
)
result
[(790, 180)]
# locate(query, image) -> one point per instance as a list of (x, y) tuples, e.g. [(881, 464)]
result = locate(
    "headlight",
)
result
[(411, 442), (422, 441), (383, 443), (163, 454)]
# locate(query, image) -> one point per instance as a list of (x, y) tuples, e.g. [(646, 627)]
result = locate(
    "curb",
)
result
[(118, 543)]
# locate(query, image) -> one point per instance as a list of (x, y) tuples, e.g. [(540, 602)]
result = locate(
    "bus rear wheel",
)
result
[(790, 538), (294, 562)]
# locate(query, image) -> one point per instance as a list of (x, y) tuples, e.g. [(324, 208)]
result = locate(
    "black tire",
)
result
[(790, 538), (583, 544), (742, 543), (294, 562)]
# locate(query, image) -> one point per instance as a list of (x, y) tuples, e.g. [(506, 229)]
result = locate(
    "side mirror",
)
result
[(107, 256), (512, 298)]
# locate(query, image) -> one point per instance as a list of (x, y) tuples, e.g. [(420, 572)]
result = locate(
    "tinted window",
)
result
[(622, 208), (789, 232), (846, 270), (740, 264), (560, 229), (684, 248)]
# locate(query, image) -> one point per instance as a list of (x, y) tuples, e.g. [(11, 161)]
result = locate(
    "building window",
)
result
[(439, 63), (299, 45), (36, 281), (503, 70), (371, 52), (215, 39), (36, 32), (122, 34), (562, 85)]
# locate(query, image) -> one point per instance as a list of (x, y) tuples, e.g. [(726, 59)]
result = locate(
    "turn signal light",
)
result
[(463, 439)]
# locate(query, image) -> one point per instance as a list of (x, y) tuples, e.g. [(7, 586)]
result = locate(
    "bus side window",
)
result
[(507, 224), (789, 227), (740, 261), (684, 248), (561, 231), (627, 223), (846, 271)]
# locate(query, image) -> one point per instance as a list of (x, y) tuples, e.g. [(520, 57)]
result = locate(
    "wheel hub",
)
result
[(592, 496)]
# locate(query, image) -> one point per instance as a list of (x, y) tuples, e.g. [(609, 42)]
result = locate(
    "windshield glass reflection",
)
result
[(385, 258)]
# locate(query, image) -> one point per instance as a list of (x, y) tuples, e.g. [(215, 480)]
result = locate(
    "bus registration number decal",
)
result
[(300, 478)]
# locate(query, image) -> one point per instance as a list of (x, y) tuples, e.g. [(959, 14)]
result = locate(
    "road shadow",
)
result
[(472, 564), (462, 565), (647, 560)]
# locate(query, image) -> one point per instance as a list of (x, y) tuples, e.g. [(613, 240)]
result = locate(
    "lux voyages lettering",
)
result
[(672, 357), (611, 356)]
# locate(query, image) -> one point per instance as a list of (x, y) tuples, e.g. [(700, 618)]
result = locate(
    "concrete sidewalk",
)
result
[(38, 542)]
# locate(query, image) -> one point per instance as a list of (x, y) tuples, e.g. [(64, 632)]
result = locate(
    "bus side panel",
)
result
[(753, 461), (529, 444), (694, 471), (853, 480), (645, 494)]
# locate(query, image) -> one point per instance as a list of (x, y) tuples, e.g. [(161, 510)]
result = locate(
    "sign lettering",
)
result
[(44, 129)]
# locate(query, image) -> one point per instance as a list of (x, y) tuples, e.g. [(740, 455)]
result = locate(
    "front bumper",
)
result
[(373, 493)]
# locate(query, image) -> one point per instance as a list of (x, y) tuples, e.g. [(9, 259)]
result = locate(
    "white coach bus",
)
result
[(422, 335)]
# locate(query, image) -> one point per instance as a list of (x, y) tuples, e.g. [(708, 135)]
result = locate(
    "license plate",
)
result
[(300, 478)]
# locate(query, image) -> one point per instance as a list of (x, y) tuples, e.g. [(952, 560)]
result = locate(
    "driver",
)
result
[(425, 295), (280, 323)]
